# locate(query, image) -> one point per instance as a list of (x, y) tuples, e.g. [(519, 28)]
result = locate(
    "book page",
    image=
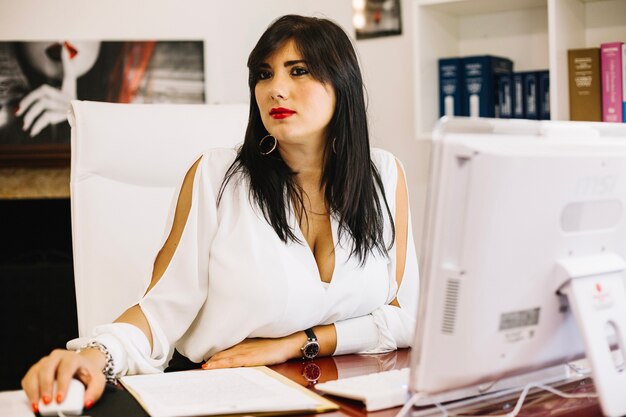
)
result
[(15, 404), (220, 391)]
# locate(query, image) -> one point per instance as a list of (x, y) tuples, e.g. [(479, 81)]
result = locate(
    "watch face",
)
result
[(311, 372), (311, 350)]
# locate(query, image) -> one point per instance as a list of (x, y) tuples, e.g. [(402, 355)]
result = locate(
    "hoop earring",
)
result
[(334, 148), (261, 145)]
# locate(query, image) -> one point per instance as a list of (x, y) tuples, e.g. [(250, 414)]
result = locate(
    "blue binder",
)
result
[(480, 79), (450, 87)]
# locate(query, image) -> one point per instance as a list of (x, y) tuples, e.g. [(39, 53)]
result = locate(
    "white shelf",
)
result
[(579, 24), (468, 8), (535, 34)]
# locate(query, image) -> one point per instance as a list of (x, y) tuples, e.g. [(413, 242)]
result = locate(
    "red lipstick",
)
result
[(281, 112)]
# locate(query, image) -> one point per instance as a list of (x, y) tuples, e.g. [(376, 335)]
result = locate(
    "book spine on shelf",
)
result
[(611, 67), (624, 82), (531, 94), (517, 95), (544, 94), (585, 102), (499, 67), (480, 92), (450, 87), (475, 81), (505, 100)]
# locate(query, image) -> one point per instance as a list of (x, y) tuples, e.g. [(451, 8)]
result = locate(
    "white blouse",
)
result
[(232, 278)]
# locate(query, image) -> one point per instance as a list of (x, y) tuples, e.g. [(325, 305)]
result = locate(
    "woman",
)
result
[(298, 244)]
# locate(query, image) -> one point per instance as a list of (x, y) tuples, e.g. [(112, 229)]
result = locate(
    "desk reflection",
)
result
[(539, 403), (308, 373)]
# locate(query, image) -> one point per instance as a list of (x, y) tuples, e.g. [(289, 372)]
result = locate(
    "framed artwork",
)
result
[(39, 78), (375, 18)]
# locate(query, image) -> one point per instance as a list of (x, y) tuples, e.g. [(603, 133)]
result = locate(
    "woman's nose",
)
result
[(279, 88)]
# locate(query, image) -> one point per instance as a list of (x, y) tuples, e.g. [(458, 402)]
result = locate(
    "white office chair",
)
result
[(128, 161)]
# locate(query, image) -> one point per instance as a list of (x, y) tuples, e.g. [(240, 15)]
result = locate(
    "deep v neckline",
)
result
[(311, 255)]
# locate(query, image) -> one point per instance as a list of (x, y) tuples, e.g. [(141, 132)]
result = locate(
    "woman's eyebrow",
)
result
[(294, 62), (290, 63)]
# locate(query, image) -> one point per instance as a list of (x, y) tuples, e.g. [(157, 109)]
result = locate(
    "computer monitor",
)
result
[(517, 211)]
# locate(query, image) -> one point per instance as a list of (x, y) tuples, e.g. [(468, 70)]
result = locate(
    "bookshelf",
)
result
[(535, 34)]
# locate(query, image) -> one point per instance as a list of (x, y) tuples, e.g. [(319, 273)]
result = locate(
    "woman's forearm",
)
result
[(135, 316)]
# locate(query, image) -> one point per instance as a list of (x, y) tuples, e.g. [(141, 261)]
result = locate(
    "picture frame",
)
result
[(38, 79), (377, 18)]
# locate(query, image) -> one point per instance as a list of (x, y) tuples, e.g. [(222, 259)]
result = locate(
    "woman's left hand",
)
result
[(256, 352)]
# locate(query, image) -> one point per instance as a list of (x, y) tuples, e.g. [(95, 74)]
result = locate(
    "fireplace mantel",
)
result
[(29, 183)]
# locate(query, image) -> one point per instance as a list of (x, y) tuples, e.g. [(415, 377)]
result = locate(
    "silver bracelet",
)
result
[(109, 366)]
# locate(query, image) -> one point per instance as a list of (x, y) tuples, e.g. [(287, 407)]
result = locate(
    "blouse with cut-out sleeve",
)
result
[(232, 278)]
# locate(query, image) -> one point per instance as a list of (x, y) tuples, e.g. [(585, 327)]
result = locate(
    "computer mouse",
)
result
[(71, 405)]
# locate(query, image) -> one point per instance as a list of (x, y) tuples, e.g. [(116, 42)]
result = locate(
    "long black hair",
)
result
[(352, 185)]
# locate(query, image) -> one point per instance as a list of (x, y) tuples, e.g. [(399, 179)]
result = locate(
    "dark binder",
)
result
[(480, 80), (517, 95), (544, 94), (450, 87), (531, 94)]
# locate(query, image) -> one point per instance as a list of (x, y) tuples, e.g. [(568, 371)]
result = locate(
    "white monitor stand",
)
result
[(594, 286)]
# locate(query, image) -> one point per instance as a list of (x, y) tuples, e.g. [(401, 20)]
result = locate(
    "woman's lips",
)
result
[(281, 113)]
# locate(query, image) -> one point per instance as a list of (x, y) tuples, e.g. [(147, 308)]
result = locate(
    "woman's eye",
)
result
[(264, 75), (297, 71)]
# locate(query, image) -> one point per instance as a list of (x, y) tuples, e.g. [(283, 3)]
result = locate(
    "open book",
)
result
[(257, 390)]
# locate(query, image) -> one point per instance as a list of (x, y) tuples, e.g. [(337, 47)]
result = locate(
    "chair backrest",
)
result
[(128, 161)]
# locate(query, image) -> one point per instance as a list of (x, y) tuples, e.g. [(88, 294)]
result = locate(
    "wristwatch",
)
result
[(312, 347), (311, 372)]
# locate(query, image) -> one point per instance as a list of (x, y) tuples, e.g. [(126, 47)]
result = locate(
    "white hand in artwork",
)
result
[(42, 107), (47, 105)]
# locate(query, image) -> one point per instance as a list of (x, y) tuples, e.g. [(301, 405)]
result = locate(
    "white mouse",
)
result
[(71, 405)]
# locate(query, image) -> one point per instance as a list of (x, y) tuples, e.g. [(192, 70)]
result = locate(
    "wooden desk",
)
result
[(117, 402), (538, 404)]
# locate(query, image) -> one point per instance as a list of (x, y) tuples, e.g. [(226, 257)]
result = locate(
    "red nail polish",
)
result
[(88, 404), (205, 365), (59, 398), (71, 49), (17, 109), (35, 407), (46, 399)]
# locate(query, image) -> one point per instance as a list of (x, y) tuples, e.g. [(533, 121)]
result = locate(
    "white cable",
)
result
[(522, 398), (410, 403), (579, 370), (444, 410), (518, 406), (548, 388)]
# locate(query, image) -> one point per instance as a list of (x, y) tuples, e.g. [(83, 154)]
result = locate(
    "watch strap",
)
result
[(310, 334)]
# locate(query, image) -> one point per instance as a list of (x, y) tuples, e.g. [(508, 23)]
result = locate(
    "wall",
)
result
[(230, 30), (388, 68)]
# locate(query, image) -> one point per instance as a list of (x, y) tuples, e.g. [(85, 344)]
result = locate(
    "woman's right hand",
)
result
[(63, 365)]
